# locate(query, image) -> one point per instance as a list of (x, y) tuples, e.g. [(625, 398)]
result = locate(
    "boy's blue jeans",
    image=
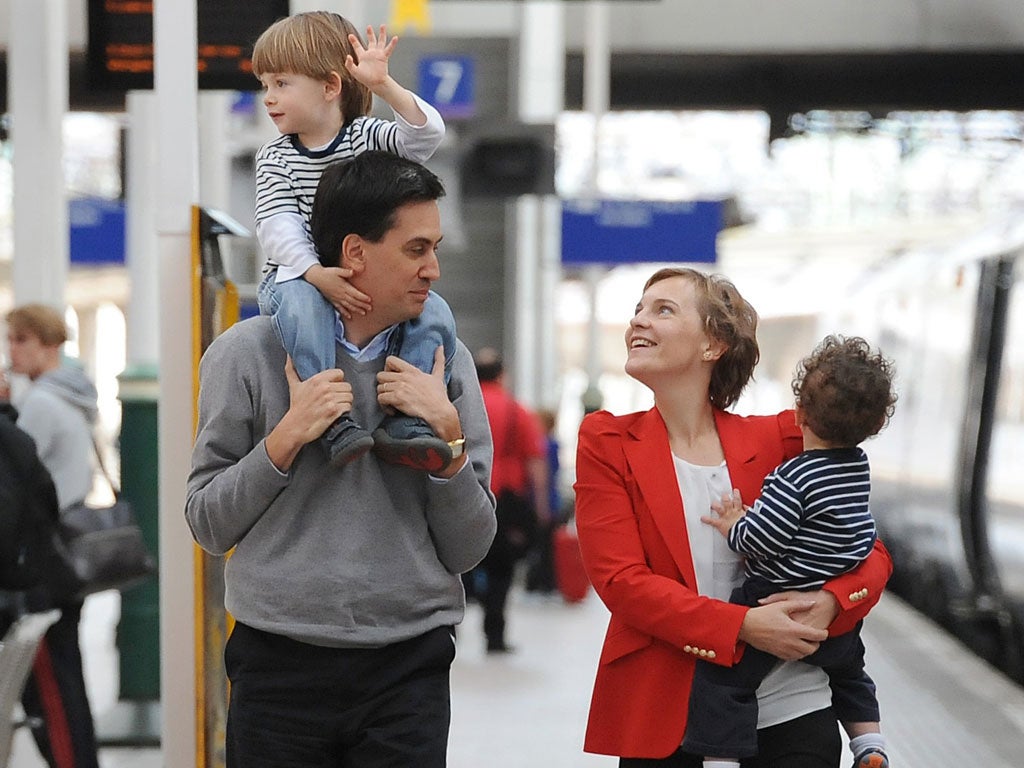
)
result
[(306, 322)]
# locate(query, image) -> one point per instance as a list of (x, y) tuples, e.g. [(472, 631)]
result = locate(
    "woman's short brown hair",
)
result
[(314, 44), (41, 321), (729, 319)]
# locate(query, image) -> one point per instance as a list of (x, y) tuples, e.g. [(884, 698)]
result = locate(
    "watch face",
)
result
[(458, 447)]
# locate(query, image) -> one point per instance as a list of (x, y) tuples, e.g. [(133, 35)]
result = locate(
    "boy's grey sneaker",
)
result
[(410, 442), (345, 441)]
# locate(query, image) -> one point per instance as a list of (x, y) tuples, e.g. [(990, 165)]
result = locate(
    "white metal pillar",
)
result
[(523, 307), (596, 61), (174, 32), (37, 52), (143, 338), (136, 719), (536, 249), (596, 98), (215, 171), (548, 278)]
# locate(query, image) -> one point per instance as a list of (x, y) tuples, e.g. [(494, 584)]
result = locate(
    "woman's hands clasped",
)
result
[(789, 625)]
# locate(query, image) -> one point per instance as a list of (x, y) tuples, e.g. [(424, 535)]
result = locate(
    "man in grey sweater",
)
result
[(344, 581)]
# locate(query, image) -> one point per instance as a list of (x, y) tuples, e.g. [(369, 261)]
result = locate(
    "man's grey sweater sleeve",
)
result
[(232, 480), (460, 512)]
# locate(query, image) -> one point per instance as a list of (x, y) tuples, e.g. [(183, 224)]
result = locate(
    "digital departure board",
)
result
[(120, 48)]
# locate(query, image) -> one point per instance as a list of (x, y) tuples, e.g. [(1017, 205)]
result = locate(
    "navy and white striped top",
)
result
[(287, 173), (811, 522)]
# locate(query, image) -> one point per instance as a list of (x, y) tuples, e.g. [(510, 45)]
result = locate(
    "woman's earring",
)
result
[(707, 355)]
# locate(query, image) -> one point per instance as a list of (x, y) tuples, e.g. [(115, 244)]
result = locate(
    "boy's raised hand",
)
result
[(372, 68)]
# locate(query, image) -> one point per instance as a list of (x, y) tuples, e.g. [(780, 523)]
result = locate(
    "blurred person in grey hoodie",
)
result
[(58, 410)]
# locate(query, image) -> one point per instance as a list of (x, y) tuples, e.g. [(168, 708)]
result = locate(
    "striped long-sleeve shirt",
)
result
[(811, 522), (287, 175)]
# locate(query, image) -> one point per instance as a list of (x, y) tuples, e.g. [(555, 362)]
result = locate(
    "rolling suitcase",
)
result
[(570, 575)]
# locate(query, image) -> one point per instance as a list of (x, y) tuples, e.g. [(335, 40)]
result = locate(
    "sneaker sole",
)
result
[(414, 454), (873, 760), (352, 451)]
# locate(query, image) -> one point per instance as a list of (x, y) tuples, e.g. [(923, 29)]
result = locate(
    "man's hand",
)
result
[(333, 284), (727, 511), (774, 629), (820, 613), (404, 387), (314, 404)]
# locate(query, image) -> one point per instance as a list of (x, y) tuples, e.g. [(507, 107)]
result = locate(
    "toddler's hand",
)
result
[(333, 284), (727, 512)]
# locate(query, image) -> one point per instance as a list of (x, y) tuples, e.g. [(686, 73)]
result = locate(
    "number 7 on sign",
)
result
[(447, 82), (449, 74)]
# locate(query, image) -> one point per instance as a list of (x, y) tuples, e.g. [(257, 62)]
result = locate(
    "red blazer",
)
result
[(632, 533)]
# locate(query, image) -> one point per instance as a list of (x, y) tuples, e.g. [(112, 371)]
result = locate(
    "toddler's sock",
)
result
[(867, 741)]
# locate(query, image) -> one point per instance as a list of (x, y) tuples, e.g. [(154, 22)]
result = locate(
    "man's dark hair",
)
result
[(360, 196), (489, 365), (845, 390)]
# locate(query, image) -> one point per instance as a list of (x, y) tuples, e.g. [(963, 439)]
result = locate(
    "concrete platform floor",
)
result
[(942, 707)]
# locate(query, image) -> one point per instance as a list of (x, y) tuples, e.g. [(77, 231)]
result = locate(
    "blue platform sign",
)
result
[(97, 231), (637, 231), (448, 82)]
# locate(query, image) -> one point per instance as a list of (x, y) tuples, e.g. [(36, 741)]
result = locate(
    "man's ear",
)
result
[(352, 254)]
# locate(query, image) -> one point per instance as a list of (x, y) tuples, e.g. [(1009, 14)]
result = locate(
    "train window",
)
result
[(922, 320), (1005, 486)]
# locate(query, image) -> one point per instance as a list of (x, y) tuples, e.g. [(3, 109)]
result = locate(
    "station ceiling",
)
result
[(779, 84), (782, 84)]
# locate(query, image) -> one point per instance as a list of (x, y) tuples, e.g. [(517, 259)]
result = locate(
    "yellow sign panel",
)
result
[(409, 14)]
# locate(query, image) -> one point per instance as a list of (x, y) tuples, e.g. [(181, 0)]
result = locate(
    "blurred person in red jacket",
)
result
[(520, 483)]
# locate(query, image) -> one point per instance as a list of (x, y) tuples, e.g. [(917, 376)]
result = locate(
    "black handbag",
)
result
[(101, 547)]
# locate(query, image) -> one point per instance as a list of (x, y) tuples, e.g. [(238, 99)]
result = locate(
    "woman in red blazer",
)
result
[(643, 481)]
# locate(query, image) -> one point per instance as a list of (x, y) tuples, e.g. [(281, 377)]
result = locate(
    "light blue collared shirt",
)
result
[(376, 347)]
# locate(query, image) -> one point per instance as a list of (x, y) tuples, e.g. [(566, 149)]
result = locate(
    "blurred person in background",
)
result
[(520, 483), (57, 410), (644, 481), (540, 574)]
